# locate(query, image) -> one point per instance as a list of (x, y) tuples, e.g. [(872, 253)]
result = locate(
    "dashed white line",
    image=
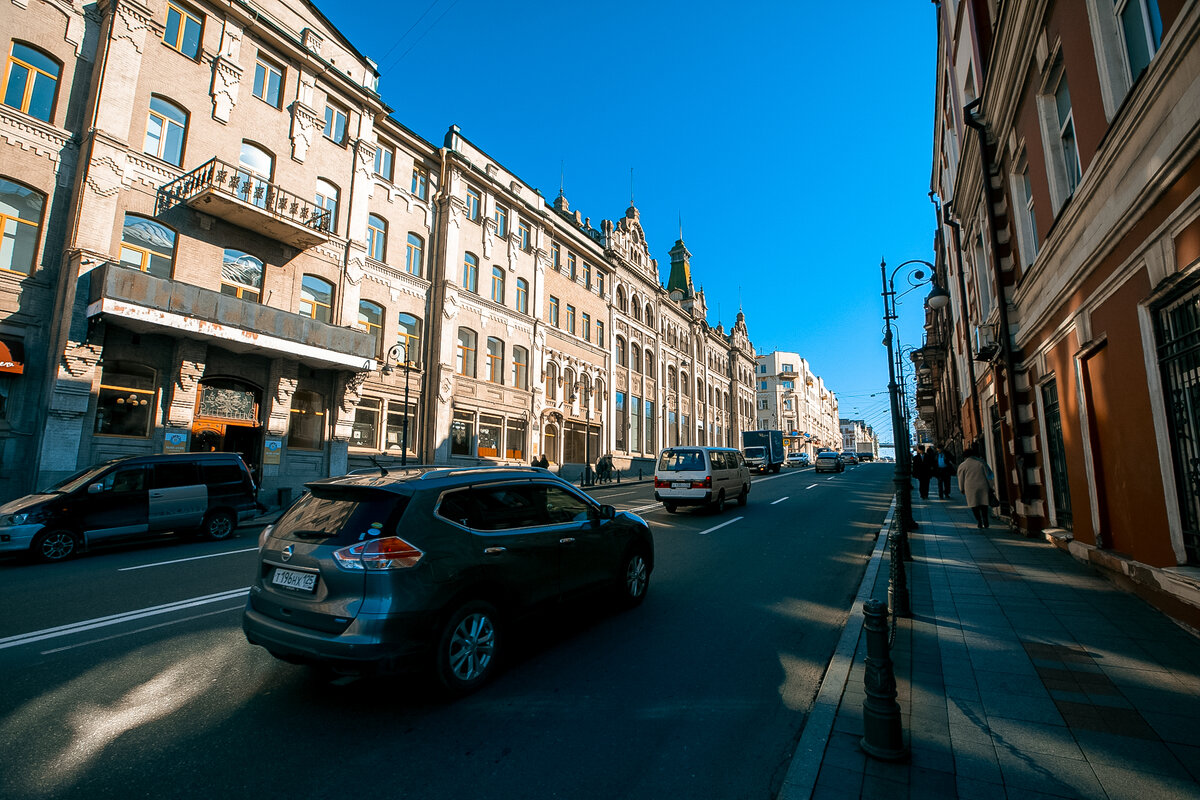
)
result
[(722, 525), (806, 488), (780, 500)]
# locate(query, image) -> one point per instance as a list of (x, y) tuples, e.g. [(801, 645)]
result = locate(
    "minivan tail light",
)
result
[(391, 552), (704, 484), (661, 484)]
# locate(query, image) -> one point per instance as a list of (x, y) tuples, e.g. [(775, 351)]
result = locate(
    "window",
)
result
[(520, 367), (327, 200), (600, 334), (556, 257), (377, 237), (1026, 220), (525, 234), (1066, 131), (514, 440), (635, 357), (255, 168), (571, 266), (622, 356), (125, 404), (498, 284), (570, 319), (166, 129), (408, 335), (551, 381), (401, 430), (268, 81), (146, 245), (636, 308), (420, 183), (490, 430), (385, 158), (31, 82), (493, 370), (600, 282), (474, 203), (462, 434), (470, 279), (1141, 28), (335, 123), (649, 364), (183, 30), (621, 302), (649, 448), (306, 429), (365, 432), (465, 357), (649, 315), (553, 311), (414, 254), (501, 217), (241, 275), (587, 275), (522, 295), (622, 420), (370, 319), (587, 327), (316, 298)]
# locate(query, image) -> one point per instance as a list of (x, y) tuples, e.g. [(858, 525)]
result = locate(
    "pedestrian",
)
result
[(544, 462), (975, 482), (922, 470), (943, 468), (604, 468)]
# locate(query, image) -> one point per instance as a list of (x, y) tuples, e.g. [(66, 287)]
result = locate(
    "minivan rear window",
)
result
[(682, 461), (342, 515)]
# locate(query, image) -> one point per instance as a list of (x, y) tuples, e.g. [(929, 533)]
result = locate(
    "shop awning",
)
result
[(12, 355)]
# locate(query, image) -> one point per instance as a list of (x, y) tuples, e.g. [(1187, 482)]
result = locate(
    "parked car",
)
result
[(428, 566), (797, 460), (829, 461), (207, 493), (850, 459), (701, 476)]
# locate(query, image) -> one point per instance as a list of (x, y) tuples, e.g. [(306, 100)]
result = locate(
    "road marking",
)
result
[(806, 488), (831, 477), (193, 558), (780, 500), (117, 619), (722, 525), (643, 509), (141, 630)]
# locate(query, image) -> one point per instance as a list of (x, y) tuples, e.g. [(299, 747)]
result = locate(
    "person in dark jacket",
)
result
[(943, 468), (922, 470)]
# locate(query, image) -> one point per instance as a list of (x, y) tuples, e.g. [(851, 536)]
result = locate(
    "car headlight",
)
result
[(262, 537), (10, 520)]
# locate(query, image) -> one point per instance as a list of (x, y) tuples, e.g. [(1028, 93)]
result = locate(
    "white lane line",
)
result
[(643, 509), (806, 488), (780, 500), (831, 477), (193, 558), (722, 525), (140, 630), (117, 619)]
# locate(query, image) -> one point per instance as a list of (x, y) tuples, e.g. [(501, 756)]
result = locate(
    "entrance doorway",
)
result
[(226, 421)]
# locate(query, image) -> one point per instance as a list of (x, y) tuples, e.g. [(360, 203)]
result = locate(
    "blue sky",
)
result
[(792, 138)]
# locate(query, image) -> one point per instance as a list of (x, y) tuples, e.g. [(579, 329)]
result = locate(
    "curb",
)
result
[(801, 777)]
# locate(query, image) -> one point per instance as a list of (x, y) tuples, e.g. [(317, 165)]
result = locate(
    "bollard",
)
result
[(898, 597), (639, 474), (883, 737), (618, 476)]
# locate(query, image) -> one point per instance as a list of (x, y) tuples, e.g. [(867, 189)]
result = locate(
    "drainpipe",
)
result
[(1005, 340), (962, 303)]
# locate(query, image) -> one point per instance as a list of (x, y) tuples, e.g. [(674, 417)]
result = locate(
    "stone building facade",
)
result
[(791, 398)]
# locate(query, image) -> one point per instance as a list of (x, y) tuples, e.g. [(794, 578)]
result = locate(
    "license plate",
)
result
[(291, 579), (681, 485)]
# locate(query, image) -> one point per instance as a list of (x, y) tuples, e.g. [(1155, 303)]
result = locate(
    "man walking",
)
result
[(922, 470), (943, 468)]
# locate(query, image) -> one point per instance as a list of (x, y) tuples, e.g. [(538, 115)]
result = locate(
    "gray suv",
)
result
[(370, 573)]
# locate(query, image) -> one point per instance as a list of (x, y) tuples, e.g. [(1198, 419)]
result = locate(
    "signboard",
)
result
[(271, 450), (175, 442)]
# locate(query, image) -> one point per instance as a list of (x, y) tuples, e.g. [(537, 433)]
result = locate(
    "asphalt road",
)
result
[(125, 673)]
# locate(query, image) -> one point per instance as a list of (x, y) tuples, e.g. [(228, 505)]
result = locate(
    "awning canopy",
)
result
[(12, 355)]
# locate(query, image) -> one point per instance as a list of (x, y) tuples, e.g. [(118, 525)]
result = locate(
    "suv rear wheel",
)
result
[(467, 648), (217, 526)]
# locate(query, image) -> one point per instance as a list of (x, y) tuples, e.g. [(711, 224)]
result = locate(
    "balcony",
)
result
[(788, 373), (146, 304), (229, 192)]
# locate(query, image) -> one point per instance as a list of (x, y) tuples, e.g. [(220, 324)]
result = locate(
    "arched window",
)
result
[(166, 131), (327, 200), (551, 381), (493, 371), (520, 367), (498, 285), (255, 168), (465, 357), (522, 295), (370, 319), (649, 363), (125, 404), (408, 334), (672, 379), (649, 315), (241, 275), (683, 383), (636, 308), (621, 302), (316, 298), (306, 429), (21, 221), (470, 280), (148, 246), (32, 83), (377, 237), (569, 384), (414, 254), (621, 354), (635, 357)]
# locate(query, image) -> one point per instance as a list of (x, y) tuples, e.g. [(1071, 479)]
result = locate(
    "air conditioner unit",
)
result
[(986, 345)]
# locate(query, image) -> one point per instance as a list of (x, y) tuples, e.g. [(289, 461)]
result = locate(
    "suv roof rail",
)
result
[(446, 472)]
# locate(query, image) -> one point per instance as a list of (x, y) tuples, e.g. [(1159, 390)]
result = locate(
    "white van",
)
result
[(701, 476)]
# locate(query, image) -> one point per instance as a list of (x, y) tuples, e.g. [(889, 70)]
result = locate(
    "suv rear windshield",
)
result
[(342, 514), (682, 461)]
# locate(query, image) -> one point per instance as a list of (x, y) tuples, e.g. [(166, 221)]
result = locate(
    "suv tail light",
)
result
[(388, 553)]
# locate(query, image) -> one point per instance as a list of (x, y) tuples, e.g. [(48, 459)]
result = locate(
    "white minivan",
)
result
[(701, 476)]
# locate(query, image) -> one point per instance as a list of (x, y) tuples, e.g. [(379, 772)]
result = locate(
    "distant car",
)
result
[(850, 459), (829, 461), (370, 572), (798, 460)]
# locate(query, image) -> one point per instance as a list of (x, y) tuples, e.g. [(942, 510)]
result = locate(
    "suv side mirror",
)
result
[(607, 512), (96, 488)]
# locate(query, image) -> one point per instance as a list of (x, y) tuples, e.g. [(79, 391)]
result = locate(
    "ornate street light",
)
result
[(394, 354)]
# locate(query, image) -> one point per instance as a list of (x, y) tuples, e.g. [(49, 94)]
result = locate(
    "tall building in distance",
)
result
[(218, 237), (859, 437), (791, 398)]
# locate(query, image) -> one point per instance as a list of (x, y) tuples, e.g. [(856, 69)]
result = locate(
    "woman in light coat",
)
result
[(974, 480)]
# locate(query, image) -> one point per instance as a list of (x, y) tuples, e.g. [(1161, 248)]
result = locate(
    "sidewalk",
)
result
[(1021, 674)]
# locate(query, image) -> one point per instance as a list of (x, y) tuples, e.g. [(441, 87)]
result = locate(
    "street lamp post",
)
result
[(938, 298), (393, 357), (582, 386)]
